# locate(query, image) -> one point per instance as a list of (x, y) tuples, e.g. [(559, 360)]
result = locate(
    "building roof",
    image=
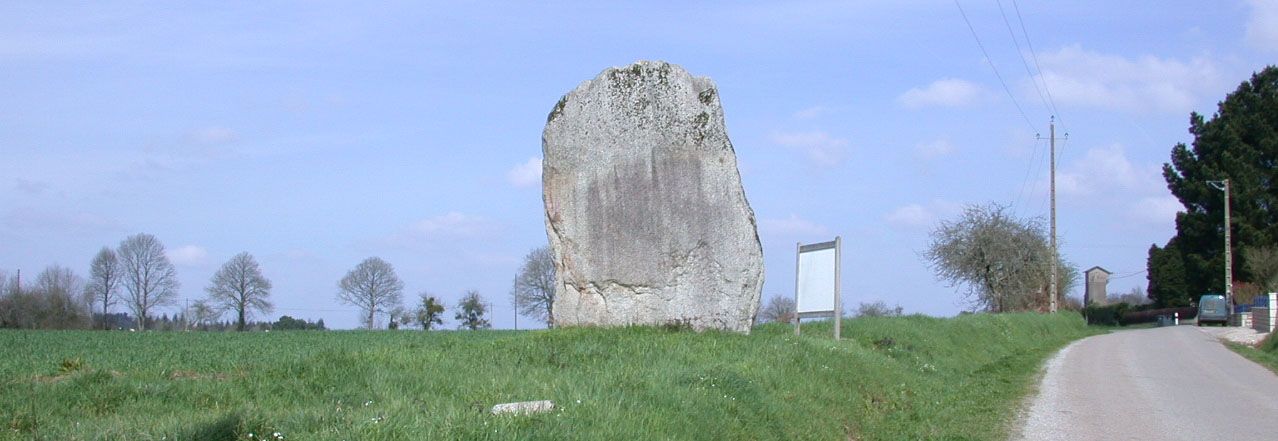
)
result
[(1097, 268)]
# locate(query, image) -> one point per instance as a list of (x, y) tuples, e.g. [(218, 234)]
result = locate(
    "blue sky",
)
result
[(316, 134)]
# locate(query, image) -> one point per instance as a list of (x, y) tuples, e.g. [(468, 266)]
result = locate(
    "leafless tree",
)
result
[(780, 309), (55, 301), (1071, 303), (10, 294), (1262, 263), (104, 280), (1135, 296), (202, 313), (149, 277), (373, 287), (65, 305), (240, 287), (878, 308), (1003, 263), (533, 293)]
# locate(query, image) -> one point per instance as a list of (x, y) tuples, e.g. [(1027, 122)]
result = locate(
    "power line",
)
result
[(1036, 65), (1021, 55), (318, 309), (1032, 171), (1126, 275), (990, 61)]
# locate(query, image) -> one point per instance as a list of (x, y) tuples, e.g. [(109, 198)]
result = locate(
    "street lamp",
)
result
[(1223, 185)]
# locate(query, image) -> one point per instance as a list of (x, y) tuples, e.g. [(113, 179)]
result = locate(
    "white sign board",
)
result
[(816, 280), (816, 283)]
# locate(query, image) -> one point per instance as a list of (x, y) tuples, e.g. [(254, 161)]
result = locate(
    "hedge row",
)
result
[(1122, 314)]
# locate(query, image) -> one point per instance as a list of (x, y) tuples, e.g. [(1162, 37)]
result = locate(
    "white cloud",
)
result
[(54, 219), (1156, 210), (948, 92), (526, 174), (1262, 27), (447, 229), (189, 255), (919, 215), (451, 224), (1144, 84), (811, 112), (934, 149), (912, 215), (1106, 170), (214, 135), (792, 226), (820, 148), (1106, 181), (30, 187)]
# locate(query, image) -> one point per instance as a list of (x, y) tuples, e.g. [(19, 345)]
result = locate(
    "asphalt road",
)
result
[(1173, 383)]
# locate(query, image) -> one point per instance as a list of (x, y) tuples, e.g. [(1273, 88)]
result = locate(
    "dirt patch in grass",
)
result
[(192, 375)]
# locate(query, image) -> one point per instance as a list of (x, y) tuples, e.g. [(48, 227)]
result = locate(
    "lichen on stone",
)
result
[(649, 223)]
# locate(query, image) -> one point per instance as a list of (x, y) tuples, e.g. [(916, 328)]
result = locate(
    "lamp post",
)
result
[(1223, 185)]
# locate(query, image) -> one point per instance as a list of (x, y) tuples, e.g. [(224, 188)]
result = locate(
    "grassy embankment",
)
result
[(891, 378), (1266, 353)]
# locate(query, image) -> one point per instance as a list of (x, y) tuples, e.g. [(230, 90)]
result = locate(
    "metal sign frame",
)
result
[(799, 274)]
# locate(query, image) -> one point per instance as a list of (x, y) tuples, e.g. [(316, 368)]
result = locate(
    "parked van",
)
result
[(1212, 308)]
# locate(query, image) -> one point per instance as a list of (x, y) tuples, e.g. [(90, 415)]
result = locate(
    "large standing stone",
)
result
[(645, 211)]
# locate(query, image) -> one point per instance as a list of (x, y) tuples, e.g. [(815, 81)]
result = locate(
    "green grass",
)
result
[(890, 378), (1265, 353)]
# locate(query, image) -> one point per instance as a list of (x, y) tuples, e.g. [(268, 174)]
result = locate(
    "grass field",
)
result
[(1265, 354), (890, 378)]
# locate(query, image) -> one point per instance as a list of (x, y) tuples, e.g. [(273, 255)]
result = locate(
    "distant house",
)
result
[(1096, 278)]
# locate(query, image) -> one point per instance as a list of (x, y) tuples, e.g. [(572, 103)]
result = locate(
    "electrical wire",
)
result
[(1021, 54), (1034, 55), (990, 61), (1032, 171), (1126, 275)]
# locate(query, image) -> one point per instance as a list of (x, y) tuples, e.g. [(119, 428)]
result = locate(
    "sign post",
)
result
[(816, 283)]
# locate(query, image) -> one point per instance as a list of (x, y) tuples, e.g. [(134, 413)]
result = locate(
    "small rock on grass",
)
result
[(523, 408)]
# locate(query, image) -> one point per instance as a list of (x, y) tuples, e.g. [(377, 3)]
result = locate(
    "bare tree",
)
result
[(373, 287), (239, 286), (104, 280), (1071, 303), (61, 295), (534, 291), (10, 297), (1262, 263), (430, 312), (878, 308), (1003, 262), (202, 313), (1135, 296), (471, 312), (149, 277), (780, 309)]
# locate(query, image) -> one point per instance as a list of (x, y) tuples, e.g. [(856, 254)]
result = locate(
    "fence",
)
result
[(1262, 317)]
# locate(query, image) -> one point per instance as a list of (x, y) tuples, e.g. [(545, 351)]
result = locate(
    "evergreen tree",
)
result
[(1238, 143)]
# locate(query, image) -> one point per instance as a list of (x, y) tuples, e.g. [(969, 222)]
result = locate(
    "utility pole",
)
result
[(1051, 295), (1051, 303), (1229, 255)]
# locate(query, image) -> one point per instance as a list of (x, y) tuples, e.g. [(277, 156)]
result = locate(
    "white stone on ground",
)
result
[(1246, 336), (523, 408)]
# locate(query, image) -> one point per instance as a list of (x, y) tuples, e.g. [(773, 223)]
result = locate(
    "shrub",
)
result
[(1151, 315), (1107, 315)]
